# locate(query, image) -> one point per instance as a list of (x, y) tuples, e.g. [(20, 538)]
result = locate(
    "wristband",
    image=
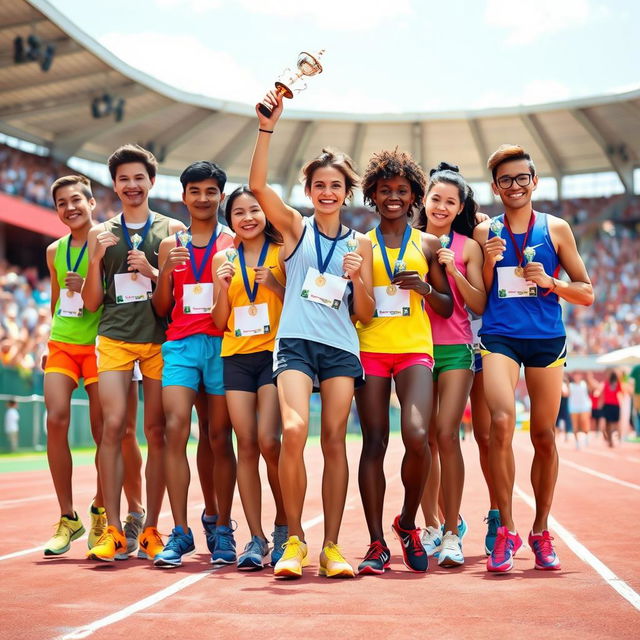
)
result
[(428, 293), (266, 130)]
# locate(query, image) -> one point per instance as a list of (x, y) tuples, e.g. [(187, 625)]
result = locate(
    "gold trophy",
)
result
[(136, 241), (307, 65)]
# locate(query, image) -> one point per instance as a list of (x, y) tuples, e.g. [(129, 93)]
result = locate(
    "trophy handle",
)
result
[(281, 90)]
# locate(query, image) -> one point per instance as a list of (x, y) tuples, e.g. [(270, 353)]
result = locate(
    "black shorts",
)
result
[(247, 371), (611, 412), (319, 361), (530, 352)]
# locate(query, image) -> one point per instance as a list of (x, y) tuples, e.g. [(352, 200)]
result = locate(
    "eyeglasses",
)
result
[(522, 180)]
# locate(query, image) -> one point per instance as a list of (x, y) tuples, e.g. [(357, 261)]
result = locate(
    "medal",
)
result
[(392, 290), (134, 241), (253, 310), (251, 291), (197, 289), (519, 271), (521, 251), (399, 264), (199, 269), (134, 276), (69, 293), (321, 281), (323, 264), (77, 264)]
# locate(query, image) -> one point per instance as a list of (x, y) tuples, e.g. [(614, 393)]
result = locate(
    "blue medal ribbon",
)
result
[(251, 292), (383, 249), (143, 232), (79, 260), (197, 270), (323, 264)]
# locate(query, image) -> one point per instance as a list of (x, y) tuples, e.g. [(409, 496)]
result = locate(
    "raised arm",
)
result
[(98, 242)]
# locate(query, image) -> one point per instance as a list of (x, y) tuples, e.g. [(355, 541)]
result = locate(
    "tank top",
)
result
[(186, 324), (135, 321), (398, 334), (232, 344), (457, 328), (537, 317), (309, 320), (81, 330)]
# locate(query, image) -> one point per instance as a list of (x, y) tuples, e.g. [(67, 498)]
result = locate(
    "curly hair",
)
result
[(390, 164)]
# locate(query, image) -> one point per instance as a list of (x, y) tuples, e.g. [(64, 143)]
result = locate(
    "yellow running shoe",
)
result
[(98, 517), (293, 559), (333, 564), (150, 544), (111, 546), (66, 531)]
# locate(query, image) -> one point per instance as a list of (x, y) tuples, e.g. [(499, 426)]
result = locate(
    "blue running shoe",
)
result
[(493, 523), (224, 550), (462, 527), (279, 536), (252, 558), (180, 544), (209, 531)]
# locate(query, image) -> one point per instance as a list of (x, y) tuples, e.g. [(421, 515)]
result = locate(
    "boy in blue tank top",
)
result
[(522, 325)]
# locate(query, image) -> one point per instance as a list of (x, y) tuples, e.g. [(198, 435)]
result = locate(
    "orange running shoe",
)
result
[(151, 544), (112, 545)]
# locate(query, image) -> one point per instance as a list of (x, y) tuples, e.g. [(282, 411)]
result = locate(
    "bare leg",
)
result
[(95, 420), (481, 421), (224, 459), (431, 493), (131, 456), (204, 456)]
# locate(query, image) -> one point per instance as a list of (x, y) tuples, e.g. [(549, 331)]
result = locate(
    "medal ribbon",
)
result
[(383, 249), (197, 270), (251, 291), (519, 250), (322, 265), (79, 260), (143, 232)]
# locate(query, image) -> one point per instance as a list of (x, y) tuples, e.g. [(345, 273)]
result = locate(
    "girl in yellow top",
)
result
[(397, 342), (248, 302)]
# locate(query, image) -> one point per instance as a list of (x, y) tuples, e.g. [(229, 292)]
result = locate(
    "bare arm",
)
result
[(491, 250), (358, 265), (98, 242), (222, 271), (440, 298), (53, 275), (169, 257)]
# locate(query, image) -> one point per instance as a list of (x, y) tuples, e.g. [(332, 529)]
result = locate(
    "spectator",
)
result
[(12, 425)]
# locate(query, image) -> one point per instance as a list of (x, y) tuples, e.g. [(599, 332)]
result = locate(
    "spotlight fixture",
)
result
[(107, 104), (33, 50)]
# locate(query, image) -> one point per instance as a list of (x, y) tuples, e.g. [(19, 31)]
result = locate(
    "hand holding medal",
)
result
[(496, 227), (136, 241), (352, 245)]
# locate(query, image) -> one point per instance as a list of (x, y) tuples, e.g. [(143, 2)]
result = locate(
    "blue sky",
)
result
[(382, 55)]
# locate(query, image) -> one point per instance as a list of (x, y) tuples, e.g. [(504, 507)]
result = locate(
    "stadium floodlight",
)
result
[(19, 55), (34, 50), (118, 109), (47, 58)]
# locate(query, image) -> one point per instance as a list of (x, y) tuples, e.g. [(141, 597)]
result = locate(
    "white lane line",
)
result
[(586, 556), (605, 454), (44, 496), (598, 474)]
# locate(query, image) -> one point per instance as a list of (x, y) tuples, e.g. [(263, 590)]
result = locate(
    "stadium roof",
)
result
[(53, 108)]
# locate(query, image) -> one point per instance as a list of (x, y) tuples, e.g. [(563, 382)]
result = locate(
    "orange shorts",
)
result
[(73, 360), (117, 355)]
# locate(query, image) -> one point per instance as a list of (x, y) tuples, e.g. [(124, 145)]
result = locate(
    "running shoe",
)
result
[(279, 537), (209, 531), (462, 527), (333, 563), (254, 554), (98, 526), (413, 553), (111, 546), (67, 530), (542, 547), (493, 523), (180, 544), (224, 549), (376, 560), (151, 544), (431, 538), (292, 560), (504, 549), (451, 551), (132, 527)]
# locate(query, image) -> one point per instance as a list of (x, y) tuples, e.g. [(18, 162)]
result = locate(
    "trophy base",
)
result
[(281, 90)]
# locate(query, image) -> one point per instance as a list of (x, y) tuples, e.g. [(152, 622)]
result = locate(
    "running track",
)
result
[(596, 595)]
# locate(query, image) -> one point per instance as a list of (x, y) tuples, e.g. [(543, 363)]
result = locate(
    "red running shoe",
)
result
[(414, 556)]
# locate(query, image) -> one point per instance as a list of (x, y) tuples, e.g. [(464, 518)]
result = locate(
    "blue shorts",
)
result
[(477, 362), (530, 352), (193, 362), (248, 371)]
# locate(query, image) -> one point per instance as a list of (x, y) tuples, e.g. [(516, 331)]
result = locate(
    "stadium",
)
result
[(66, 102)]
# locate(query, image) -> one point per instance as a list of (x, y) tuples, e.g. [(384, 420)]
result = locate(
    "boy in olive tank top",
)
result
[(123, 270)]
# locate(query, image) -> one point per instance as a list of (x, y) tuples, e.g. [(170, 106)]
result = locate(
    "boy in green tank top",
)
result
[(71, 356), (123, 270)]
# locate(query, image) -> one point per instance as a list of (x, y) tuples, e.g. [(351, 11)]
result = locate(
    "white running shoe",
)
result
[(431, 538), (450, 551)]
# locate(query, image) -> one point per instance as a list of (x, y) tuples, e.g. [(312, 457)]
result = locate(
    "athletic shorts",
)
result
[(73, 360), (117, 355), (530, 352), (193, 362), (247, 371), (319, 361), (477, 362), (386, 365), (450, 357), (611, 412)]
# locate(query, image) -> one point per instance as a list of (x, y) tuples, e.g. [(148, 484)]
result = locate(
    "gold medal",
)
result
[(197, 289), (392, 290), (321, 281), (69, 293), (519, 271), (134, 276), (253, 310)]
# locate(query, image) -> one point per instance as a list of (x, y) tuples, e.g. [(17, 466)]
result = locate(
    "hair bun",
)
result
[(445, 166)]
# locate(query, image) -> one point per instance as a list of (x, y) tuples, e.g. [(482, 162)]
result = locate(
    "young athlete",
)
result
[(71, 356), (397, 343), (191, 357), (316, 338), (522, 325), (249, 294), (449, 214), (122, 273)]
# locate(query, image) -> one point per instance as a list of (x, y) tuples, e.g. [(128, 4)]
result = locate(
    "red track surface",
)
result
[(51, 598)]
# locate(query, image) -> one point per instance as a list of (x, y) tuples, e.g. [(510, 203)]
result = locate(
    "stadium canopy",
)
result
[(54, 109)]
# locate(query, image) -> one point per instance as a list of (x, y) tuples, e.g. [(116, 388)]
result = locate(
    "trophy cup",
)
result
[(231, 254), (444, 241), (307, 65), (136, 241), (352, 245), (496, 226), (184, 238), (529, 254)]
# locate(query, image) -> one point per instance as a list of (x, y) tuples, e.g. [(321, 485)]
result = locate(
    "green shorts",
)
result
[(452, 356)]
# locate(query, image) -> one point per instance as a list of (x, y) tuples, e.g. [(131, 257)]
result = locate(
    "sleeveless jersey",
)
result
[(400, 334)]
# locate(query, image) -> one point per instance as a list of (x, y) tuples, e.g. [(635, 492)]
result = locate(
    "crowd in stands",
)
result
[(609, 250)]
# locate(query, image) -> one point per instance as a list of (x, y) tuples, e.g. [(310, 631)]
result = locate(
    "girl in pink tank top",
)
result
[(449, 214)]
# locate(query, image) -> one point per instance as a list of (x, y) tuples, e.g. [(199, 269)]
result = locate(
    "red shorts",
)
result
[(385, 365)]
